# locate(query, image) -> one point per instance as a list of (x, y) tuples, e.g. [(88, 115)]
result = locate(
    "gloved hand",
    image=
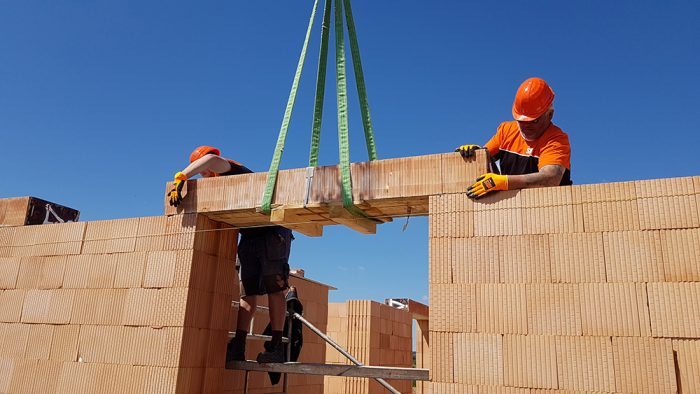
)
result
[(175, 194), (468, 150), (487, 183)]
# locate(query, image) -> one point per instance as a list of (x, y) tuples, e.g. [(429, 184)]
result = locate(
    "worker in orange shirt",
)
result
[(531, 150), (263, 253)]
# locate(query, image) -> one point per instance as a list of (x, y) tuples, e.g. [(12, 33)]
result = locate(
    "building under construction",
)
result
[(595, 292)]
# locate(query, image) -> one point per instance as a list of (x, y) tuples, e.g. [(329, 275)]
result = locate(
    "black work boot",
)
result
[(276, 354), (235, 350)]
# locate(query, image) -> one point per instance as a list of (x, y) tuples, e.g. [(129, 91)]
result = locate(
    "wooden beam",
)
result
[(298, 215), (310, 230), (373, 212), (292, 219), (279, 215), (333, 370), (340, 215)]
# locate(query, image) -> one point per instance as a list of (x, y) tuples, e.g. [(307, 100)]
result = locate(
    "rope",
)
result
[(277, 156)]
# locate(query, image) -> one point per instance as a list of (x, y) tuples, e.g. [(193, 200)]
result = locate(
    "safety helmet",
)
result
[(533, 99), (203, 150)]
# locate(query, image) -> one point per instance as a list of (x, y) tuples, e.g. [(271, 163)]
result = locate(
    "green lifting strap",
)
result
[(320, 85), (341, 87), (277, 156), (360, 81), (341, 84), (343, 140)]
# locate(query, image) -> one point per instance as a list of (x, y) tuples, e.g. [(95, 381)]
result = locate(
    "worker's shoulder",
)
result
[(554, 132), (509, 127), (237, 168)]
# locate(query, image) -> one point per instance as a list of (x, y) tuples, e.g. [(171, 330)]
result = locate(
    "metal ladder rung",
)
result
[(258, 308), (362, 371), (257, 337)]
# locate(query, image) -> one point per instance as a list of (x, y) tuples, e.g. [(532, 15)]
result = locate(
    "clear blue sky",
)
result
[(102, 101)]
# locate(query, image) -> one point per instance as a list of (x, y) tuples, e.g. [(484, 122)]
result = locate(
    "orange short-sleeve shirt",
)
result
[(517, 156)]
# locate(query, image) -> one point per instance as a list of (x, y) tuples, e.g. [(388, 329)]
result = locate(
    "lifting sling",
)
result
[(341, 87)]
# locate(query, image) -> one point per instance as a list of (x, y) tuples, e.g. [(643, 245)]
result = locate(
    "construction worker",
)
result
[(263, 254), (531, 150)]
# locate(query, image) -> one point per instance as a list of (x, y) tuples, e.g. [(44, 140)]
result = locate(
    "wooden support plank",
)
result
[(309, 220), (279, 215), (358, 371), (374, 212), (315, 213), (298, 219), (363, 225), (310, 230), (299, 215)]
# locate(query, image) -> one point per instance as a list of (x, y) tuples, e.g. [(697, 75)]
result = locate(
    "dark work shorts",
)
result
[(264, 261)]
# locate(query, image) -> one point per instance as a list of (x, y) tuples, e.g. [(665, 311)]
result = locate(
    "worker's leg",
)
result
[(276, 280), (246, 311), (249, 274), (278, 307)]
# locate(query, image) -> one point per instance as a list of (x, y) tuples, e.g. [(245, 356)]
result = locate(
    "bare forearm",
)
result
[(547, 176), (207, 163), (195, 168)]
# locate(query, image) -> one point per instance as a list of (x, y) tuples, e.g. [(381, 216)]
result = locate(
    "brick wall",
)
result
[(591, 288), (129, 305), (375, 334)]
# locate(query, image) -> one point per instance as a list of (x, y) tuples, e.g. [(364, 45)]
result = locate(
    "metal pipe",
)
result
[(341, 350), (288, 358)]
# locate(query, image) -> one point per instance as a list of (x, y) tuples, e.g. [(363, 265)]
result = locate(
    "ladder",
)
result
[(357, 370), (260, 337)]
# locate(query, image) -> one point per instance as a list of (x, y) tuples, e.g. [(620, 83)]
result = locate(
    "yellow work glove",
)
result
[(468, 150), (487, 183), (175, 195)]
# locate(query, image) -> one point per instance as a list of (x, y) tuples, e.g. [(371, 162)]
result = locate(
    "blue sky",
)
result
[(102, 101)]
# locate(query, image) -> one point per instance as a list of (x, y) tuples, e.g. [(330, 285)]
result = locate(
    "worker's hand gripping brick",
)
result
[(175, 195), (487, 183), (468, 150)]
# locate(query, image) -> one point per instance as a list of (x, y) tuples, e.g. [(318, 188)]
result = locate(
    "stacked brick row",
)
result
[(129, 305), (592, 288), (375, 334), (13, 211), (115, 306), (422, 353)]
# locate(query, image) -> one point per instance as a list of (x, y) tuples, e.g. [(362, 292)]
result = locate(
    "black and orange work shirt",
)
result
[(518, 157), (238, 169)]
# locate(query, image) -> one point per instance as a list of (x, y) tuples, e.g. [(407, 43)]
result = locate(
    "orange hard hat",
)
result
[(534, 97), (201, 151)]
